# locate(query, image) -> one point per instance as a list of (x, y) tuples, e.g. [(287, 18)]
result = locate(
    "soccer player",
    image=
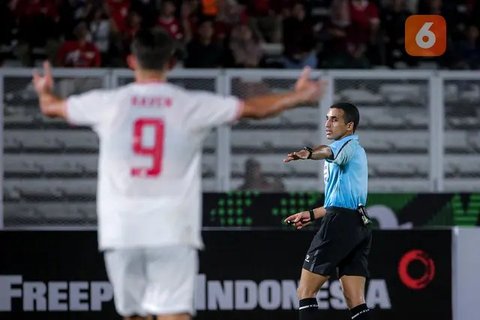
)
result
[(343, 241), (149, 178)]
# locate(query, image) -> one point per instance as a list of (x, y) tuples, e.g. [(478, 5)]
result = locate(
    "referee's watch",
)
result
[(310, 152)]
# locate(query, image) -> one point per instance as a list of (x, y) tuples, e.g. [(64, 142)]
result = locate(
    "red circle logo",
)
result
[(429, 272)]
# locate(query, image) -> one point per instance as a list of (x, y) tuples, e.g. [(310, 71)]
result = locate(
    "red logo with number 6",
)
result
[(425, 35)]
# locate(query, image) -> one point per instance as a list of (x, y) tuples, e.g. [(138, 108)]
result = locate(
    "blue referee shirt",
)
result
[(346, 174)]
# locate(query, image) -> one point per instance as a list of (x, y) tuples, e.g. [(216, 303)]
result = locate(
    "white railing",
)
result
[(421, 98)]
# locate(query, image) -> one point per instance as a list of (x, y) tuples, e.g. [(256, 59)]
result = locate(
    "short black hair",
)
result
[(351, 113), (153, 48)]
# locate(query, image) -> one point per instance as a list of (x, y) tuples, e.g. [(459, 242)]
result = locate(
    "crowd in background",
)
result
[(235, 33)]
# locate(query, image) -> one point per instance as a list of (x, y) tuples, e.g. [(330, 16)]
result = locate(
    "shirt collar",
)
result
[(348, 138)]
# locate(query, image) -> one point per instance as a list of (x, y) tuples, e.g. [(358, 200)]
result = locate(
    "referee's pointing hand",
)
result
[(297, 155), (299, 220)]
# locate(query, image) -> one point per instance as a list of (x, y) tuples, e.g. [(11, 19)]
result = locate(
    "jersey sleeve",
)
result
[(212, 110), (342, 152), (90, 108)]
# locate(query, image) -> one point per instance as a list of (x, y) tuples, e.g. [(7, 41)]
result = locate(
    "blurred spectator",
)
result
[(342, 48), (298, 40), (230, 14), (449, 9), (118, 10), (255, 180), (204, 51), (100, 33), (335, 37), (364, 31), (245, 47), (79, 53), (147, 9), (455, 30), (190, 15), (8, 24), (37, 28), (475, 13), (168, 21), (352, 33), (209, 8), (134, 23), (69, 11), (265, 21), (394, 17), (469, 49), (6, 35)]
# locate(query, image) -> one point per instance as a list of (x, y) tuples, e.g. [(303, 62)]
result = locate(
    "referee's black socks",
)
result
[(308, 309), (360, 312)]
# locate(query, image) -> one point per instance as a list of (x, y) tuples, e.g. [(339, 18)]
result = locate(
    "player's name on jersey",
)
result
[(151, 102)]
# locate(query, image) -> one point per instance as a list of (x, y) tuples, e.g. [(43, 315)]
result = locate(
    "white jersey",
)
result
[(149, 175)]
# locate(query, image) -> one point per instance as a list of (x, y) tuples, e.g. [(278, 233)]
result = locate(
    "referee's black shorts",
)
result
[(342, 244)]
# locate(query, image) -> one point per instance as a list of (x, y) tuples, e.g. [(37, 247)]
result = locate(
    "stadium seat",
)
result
[(402, 93), (473, 138), (274, 139), (384, 118), (25, 189), (20, 166), (399, 166), (466, 165), (18, 119), (49, 188), (210, 143), (360, 96), (410, 140), (18, 214), (297, 184), (417, 118), (456, 142), (209, 165), (34, 140), (302, 115), (209, 184), (387, 184), (84, 140), (273, 164), (375, 141), (463, 184)]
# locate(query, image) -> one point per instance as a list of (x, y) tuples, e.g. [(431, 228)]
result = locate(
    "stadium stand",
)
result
[(50, 166)]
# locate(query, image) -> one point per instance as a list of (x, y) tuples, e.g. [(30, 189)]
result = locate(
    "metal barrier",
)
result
[(421, 131)]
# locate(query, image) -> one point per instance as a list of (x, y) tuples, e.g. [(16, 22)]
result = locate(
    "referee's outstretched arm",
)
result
[(304, 218), (318, 153)]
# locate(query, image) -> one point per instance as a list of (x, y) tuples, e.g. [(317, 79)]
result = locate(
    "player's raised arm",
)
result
[(50, 104), (306, 91)]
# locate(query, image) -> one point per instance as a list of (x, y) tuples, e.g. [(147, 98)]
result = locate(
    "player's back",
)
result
[(151, 146), (151, 138)]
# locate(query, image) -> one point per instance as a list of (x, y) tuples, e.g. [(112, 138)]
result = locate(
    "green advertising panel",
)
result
[(388, 210)]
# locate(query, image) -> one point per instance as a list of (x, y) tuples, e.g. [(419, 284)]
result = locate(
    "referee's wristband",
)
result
[(312, 215), (310, 152)]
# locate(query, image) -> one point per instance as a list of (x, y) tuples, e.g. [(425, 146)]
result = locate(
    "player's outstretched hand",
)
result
[(299, 220), (297, 155), (43, 84), (311, 90)]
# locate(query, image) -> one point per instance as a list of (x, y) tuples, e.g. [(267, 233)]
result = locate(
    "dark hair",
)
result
[(351, 113), (153, 48)]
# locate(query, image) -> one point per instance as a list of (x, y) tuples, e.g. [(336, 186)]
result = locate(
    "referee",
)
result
[(343, 241)]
